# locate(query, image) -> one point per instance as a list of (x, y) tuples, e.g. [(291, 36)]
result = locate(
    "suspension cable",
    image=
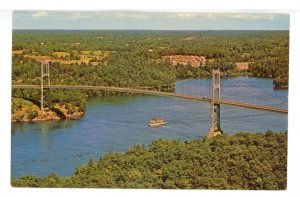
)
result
[(258, 93)]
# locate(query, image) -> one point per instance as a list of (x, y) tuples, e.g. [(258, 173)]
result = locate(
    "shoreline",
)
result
[(101, 168), (26, 111), (49, 119)]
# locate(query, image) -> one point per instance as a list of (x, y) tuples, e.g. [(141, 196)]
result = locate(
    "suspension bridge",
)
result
[(214, 99)]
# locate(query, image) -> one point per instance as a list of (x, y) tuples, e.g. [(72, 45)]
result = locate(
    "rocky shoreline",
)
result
[(46, 117), (25, 111)]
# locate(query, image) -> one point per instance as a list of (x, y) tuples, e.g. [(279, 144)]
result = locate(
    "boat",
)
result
[(156, 122)]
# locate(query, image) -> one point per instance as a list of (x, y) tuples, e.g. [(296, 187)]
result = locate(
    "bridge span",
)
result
[(157, 93)]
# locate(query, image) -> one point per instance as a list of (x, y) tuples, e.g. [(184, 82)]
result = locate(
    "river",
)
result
[(115, 123)]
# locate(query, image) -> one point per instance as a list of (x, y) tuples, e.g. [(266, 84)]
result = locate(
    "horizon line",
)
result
[(156, 29)]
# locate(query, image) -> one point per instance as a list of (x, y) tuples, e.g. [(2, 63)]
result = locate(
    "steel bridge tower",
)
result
[(45, 72), (215, 112)]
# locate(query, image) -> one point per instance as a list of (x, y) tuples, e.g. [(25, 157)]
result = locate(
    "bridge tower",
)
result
[(45, 72), (215, 112)]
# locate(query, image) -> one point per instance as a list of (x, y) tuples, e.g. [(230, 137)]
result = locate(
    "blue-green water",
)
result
[(115, 123)]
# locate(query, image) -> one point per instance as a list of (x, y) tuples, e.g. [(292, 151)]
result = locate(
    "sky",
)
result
[(149, 20)]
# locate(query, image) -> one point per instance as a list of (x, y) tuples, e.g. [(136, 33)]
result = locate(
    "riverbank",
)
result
[(224, 162), (26, 111)]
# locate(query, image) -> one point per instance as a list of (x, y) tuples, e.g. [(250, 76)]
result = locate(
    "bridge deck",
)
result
[(153, 92)]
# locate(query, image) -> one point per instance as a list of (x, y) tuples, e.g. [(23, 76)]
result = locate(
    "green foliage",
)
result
[(130, 50), (32, 113), (242, 161), (280, 82), (18, 103), (70, 98), (134, 58), (20, 107)]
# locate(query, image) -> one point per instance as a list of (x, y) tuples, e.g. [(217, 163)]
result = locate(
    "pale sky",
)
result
[(149, 20)]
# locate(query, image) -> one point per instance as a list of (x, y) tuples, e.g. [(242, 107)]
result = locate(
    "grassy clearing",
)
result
[(62, 54), (17, 52), (62, 57)]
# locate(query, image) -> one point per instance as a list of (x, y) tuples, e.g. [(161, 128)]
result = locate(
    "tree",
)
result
[(242, 161)]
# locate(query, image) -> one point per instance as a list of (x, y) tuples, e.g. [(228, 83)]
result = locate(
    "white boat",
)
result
[(156, 122)]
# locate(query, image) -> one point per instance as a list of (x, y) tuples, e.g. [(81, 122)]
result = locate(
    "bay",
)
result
[(115, 123)]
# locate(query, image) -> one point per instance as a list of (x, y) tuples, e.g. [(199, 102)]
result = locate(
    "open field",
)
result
[(84, 57)]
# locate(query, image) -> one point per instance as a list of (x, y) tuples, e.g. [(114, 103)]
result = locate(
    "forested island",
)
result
[(139, 59), (244, 161)]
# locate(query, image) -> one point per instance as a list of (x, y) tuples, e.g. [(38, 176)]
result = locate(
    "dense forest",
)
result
[(241, 161), (135, 58), (266, 50)]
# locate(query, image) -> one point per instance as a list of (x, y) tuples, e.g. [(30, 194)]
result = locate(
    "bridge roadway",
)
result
[(153, 92)]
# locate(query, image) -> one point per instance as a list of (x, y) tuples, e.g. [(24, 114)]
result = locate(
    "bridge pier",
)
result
[(215, 109)]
